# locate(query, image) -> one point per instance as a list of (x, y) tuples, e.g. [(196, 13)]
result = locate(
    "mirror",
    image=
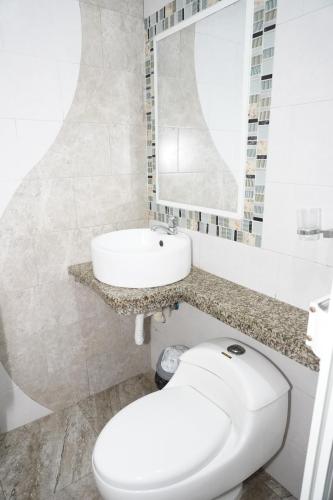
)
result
[(202, 74)]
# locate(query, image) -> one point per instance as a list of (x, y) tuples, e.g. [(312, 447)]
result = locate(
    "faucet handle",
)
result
[(173, 222)]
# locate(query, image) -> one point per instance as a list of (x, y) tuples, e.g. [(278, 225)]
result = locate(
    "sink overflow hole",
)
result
[(161, 243)]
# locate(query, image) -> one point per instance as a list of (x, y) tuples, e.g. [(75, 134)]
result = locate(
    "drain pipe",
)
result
[(159, 316), (139, 333)]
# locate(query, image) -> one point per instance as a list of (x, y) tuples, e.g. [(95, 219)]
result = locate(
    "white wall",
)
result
[(189, 326)]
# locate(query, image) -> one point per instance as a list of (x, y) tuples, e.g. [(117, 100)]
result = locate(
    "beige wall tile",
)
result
[(126, 92), (97, 89), (127, 149), (17, 263), (80, 251), (125, 357), (120, 197), (65, 387), (84, 202), (53, 250), (132, 224), (57, 208), (21, 217), (110, 368), (89, 304), (135, 8), (28, 367), (85, 106), (81, 149), (64, 347), (123, 39), (19, 320), (91, 51), (101, 333), (57, 304)]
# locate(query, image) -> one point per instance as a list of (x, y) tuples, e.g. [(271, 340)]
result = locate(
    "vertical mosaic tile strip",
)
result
[(247, 230)]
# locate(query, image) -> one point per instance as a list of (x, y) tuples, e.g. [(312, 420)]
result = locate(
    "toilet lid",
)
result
[(160, 439)]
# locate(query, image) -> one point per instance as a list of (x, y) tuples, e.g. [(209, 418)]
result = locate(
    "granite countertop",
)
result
[(272, 322)]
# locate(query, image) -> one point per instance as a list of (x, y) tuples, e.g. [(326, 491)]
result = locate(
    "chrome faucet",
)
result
[(171, 228)]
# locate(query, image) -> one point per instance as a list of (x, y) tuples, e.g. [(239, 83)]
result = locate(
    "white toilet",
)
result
[(221, 417)]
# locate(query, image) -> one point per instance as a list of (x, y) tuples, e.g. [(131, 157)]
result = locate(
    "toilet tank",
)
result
[(249, 374)]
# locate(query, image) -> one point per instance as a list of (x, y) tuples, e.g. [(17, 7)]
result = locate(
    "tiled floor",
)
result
[(50, 459)]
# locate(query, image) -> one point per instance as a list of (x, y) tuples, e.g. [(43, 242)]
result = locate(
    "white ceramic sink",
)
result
[(140, 258)]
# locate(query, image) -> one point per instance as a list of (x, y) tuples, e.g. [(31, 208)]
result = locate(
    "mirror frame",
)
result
[(248, 228), (245, 93)]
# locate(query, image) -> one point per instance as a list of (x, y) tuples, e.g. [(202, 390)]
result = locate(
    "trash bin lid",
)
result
[(170, 357)]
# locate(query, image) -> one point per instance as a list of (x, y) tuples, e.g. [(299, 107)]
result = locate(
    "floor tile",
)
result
[(18, 466), (83, 489), (99, 408), (134, 388), (279, 490), (261, 486), (47, 455), (77, 442)]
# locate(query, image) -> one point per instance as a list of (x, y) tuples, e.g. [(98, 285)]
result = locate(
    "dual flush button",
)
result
[(236, 349)]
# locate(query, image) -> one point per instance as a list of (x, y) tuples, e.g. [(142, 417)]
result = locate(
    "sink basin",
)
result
[(140, 258)]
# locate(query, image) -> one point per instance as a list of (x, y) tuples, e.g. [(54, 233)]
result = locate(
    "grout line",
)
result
[(33, 56), (302, 184), (18, 119), (79, 479), (267, 249), (66, 434), (304, 14), (303, 103)]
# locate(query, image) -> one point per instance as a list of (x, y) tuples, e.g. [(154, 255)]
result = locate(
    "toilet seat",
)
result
[(186, 431)]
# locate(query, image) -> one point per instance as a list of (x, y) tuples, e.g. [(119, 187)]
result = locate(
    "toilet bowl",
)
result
[(221, 417)]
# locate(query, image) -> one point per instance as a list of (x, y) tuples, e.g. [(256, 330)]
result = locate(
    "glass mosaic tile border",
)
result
[(248, 229)]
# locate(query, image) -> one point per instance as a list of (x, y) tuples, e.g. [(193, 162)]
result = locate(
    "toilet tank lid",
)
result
[(160, 439), (253, 378)]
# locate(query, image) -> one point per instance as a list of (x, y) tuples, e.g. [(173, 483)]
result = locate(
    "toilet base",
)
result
[(233, 494)]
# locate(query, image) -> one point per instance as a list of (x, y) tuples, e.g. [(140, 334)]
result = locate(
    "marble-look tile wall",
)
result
[(58, 341)]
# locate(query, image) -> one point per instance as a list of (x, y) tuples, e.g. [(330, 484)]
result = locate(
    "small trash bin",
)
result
[(167, 364)]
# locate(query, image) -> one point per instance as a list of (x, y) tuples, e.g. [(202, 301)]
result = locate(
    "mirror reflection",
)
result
[(201, 95)]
